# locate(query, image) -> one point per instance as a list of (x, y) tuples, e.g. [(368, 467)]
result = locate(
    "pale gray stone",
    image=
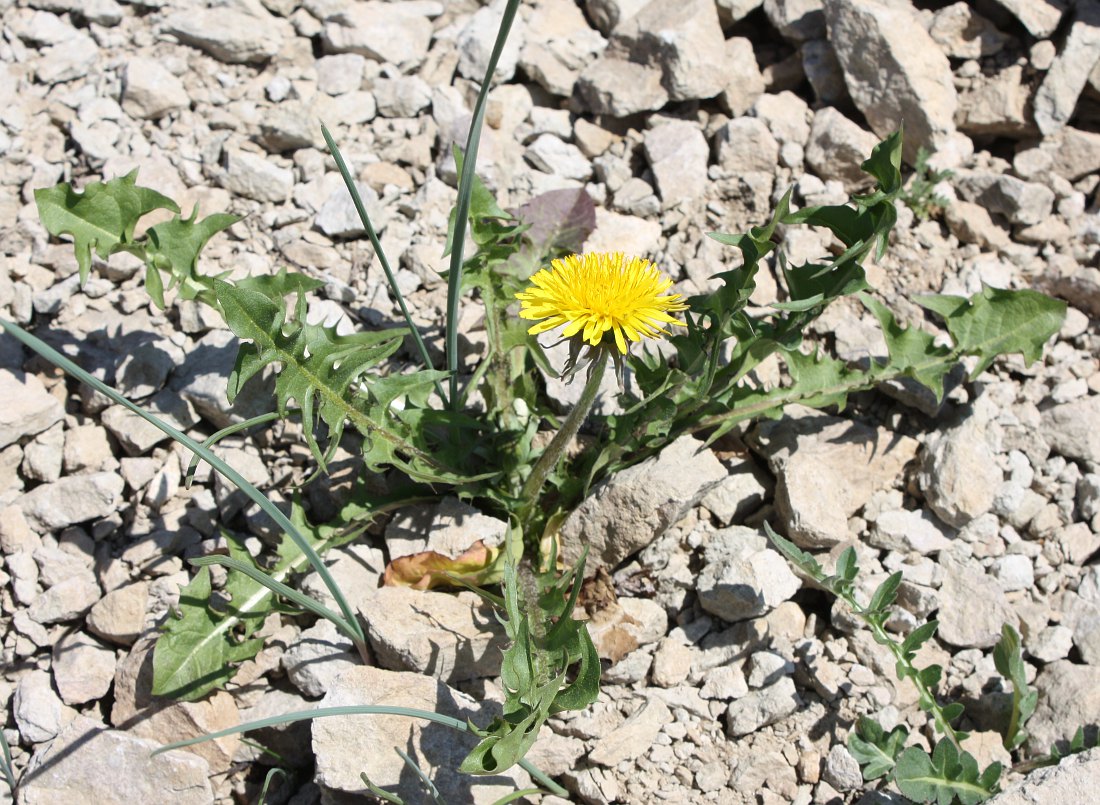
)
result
[(136, 435), (1056, 98), (404, 96), (23, 570), (257, 177), (450, 637), (971, 223), (627, 512), (961, 622), (29, 408), (65, 601), (1014, 572), (1019, 201), (767, 668), (1073, 429), (1082, 617), (614, 229), (1051, 644), (677, 153), (145, 367), (1075, 779), (89, 763), (150, 90), (42, 456), (607, 14), (476, 40), (742, 577), (823, 70), (38, 711), (73, 58), (555, 754), (338, 741), (338, 217), (317, 656), (906, 530), (41, 28), (837, 147), (293, 124), (339, 74), (827, 468), (107, 13), (959, 474), (797, 20), (52, 299), (841, 770), (618, 87), (120, 615), (398, 33), (72, 499), (83, 668), (200, 380), (229, 36), (759, 708), (56, 565), (671, 663), (786, 115), (1040, 17), (724, 683), (1070, 153), (744, 81), (684, 38), (1069, 697), (87, 449), (290, 740), (449, 527), (894, 71), (742, 492), (634, 737), (549, 154), (746, 145), (356, 569), (963, 33)]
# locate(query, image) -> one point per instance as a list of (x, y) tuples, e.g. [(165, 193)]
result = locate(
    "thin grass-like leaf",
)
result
[(377, 244), (277, 587), (236, 427), (425, 780), (271, 774), (462, 204), (254, 494), (9, 771)]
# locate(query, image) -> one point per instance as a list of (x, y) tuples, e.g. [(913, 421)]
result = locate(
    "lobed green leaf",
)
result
[(102, 218), (945, 776)]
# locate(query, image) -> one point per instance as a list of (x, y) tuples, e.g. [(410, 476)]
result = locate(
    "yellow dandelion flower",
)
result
[(592, 294)]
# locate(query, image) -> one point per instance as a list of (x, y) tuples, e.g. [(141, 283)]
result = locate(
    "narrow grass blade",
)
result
[(425, 780), (356, 710), (236, 427), (268, 780), (277, 587), (9, 771), (377, 244), (254, 494), (523, 792), (462, 204)]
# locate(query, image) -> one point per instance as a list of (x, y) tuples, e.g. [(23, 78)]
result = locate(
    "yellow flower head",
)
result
[(591, 294)]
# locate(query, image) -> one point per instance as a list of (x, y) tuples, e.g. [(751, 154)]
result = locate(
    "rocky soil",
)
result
[(727, 680)]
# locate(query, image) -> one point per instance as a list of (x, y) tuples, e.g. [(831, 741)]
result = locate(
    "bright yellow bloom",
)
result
[(593, 293)]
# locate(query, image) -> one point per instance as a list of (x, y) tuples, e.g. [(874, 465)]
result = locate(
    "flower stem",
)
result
[(556, 449)]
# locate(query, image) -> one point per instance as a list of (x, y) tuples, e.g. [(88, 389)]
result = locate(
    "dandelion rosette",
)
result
[(593, 294)]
